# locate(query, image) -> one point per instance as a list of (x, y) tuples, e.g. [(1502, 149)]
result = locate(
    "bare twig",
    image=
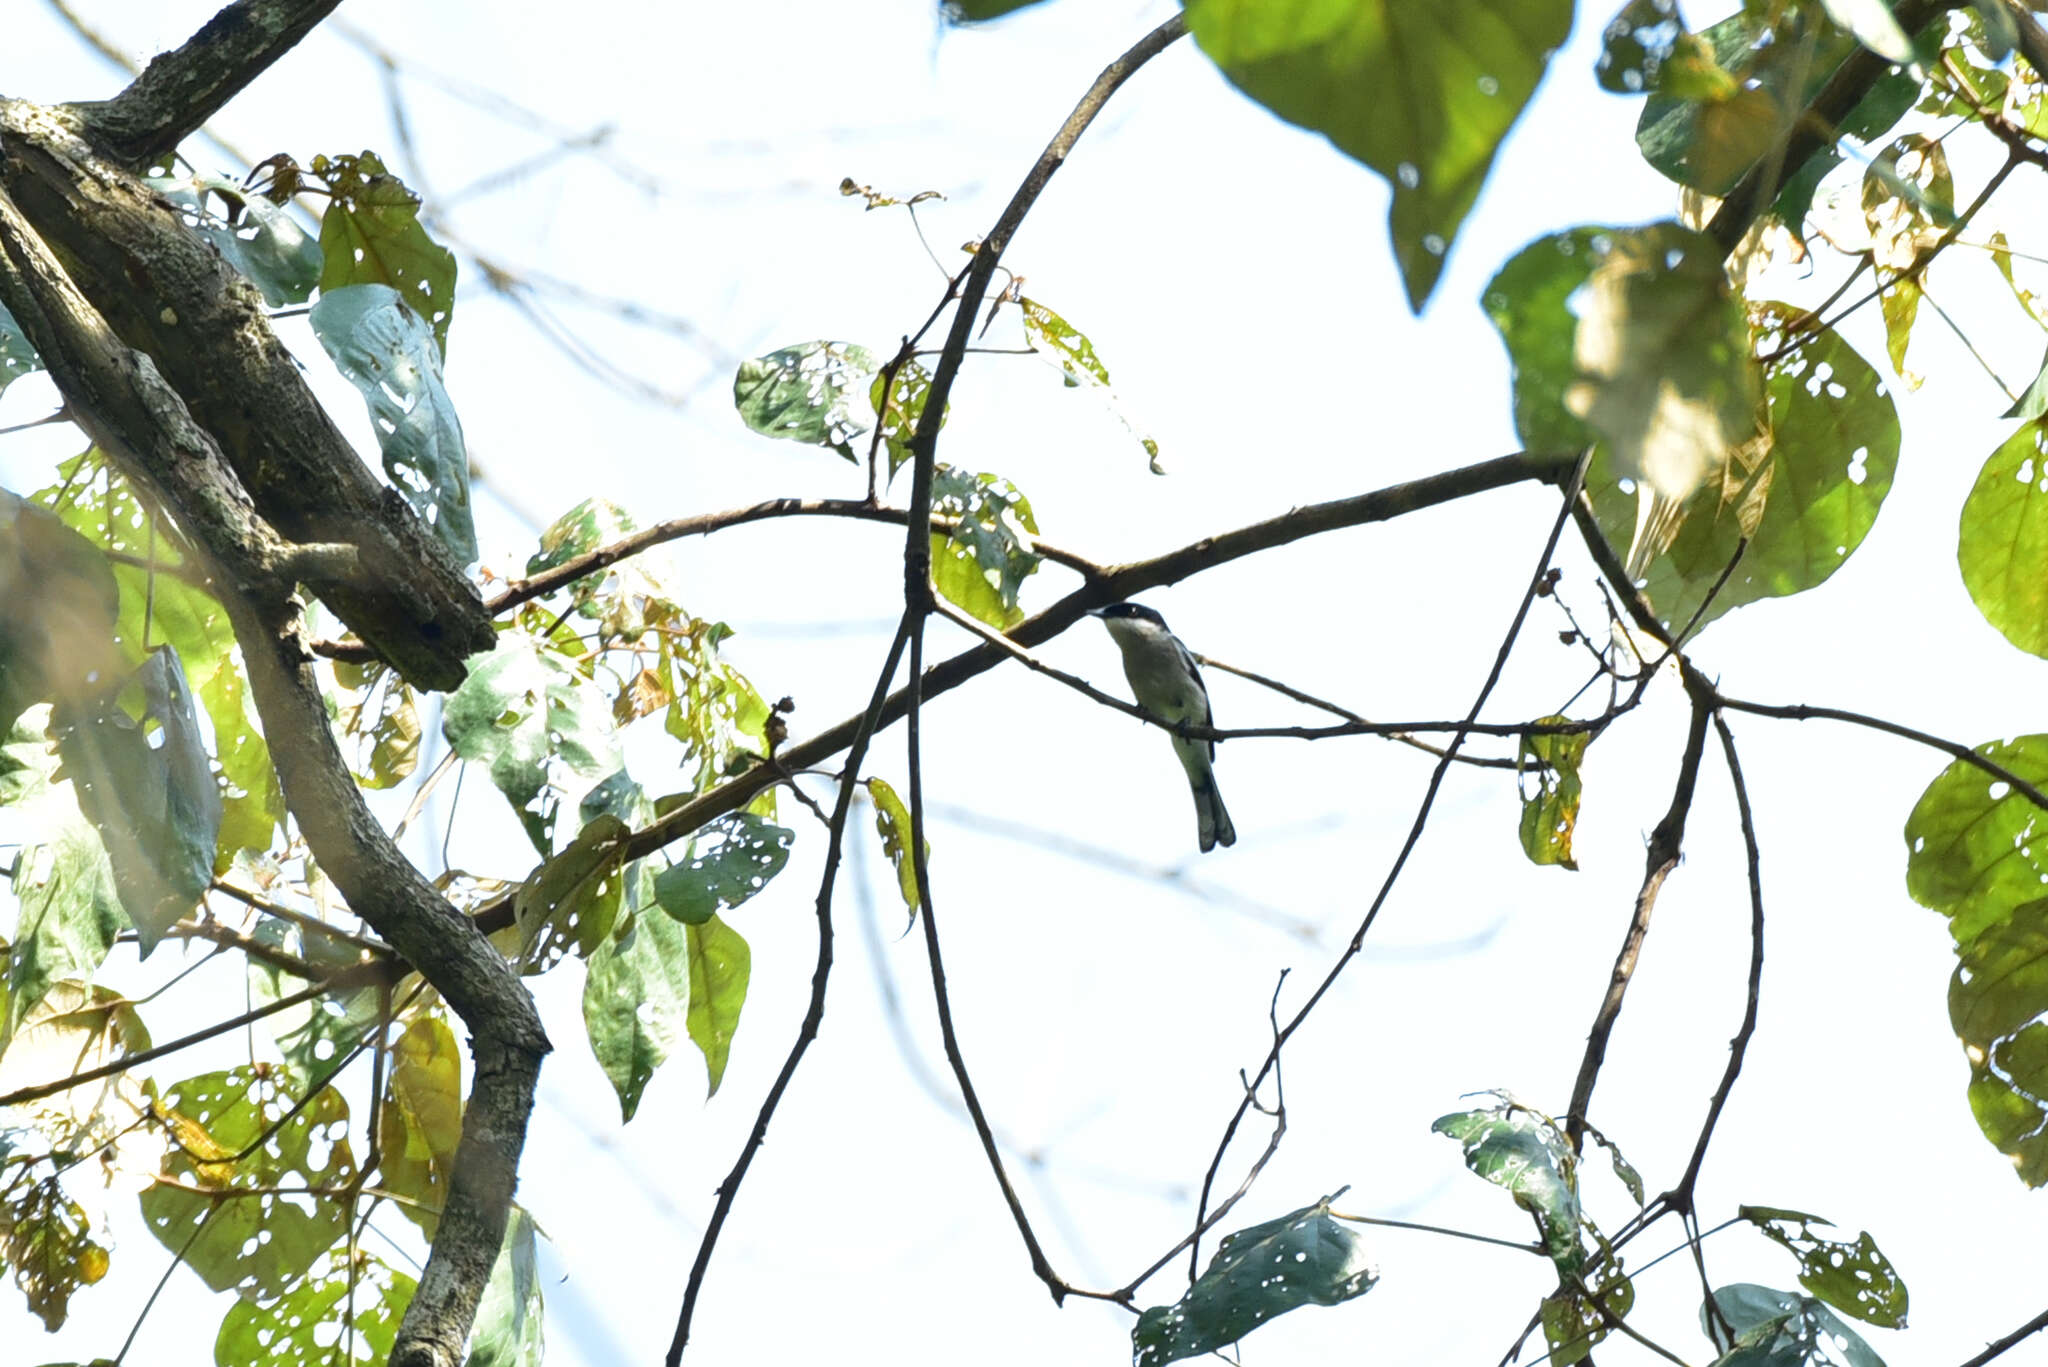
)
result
[(1992, 1350)]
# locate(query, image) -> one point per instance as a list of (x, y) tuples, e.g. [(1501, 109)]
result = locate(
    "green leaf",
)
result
[(259, 1243), (1873, 26), (389, 354), (572, 902), (1973, 848), (900, 411), (529, 714), (714, 711), (1779, 1329), (371, 235), (1068, 350), (313, 1036), (590, 524), (729, 861), (721, 965), (46, 1237), (1853, 1277), (1573, 1322), (17, 356), (981, 565), (1421, 93), (344, 1313), (2003, 542), (1529, 301), (1664, 371), (147, 786), (1635, 44), (636, 999), (1806, 505), (258, 238), (73, 1029), (1550, 813), (419, 1126), (508, 1330), (892, 823), (1516, 1148), (69, 911), (1707, 134), (1996, 1002), (806, 393), (58, 606), (1887, 101), (1304, 1258), (379, 727)]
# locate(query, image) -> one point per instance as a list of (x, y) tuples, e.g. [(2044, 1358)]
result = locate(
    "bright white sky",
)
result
[(1236, 278)]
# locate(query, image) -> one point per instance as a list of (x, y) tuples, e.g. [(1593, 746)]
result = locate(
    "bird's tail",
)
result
[(1213, 820)]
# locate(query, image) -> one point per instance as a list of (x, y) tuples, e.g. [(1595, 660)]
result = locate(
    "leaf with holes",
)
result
[(721, 965), (1575, 1321), (1997, 1001), (571, 902), (387, 351), (714, 710), (892, 823), (46, 1237), (1853, 1277), (1549, 814), (1806, 503), (1635, 45), (584, 528), (981, 565), (313, 1036), (357, 1300), (1305, 1258), (527, 712), (2003, 542), (147, 786), (239, 1129), (420, 1123), (806, 393), (379, 726), (69, 912), (75, 1029), (1780, 1329), (509, 1317), (901, 410), (729, 861), (1970, 841), (1068, 350), (258, 238), (371, 235), (636, 1000), (1459, 75), (1516, 1148)]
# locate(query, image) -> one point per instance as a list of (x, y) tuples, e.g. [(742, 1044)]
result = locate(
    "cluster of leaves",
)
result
[(1313, 1257)]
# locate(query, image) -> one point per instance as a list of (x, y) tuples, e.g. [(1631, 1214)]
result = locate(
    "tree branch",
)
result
[(1992, 1350), (181, 90)]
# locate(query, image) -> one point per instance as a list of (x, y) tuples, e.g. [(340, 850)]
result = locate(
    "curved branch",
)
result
[(181, 90)]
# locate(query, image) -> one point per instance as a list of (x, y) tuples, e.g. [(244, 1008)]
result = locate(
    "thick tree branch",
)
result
[(181, 90)]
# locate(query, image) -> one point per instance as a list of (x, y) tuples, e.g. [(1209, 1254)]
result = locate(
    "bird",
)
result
[(1167, 685)]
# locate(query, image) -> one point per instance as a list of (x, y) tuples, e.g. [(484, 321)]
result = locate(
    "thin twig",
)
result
[(1992, 1350)]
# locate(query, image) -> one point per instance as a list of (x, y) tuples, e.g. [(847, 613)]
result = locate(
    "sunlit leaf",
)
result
[(1873, 26), (2003, 542), (58, 607), (1853, 1277), (1304, 1258), (1780, 1329), (258, 238), (728, 862), (892, 823), (1975, 849), (389, 353), (1575, 1321), (357, 1302), (807, 393), (721, 965), (571, 902), (901, 409), (1997, 1000), (46, 1239), (259, 1243), (1549, 814), (314, 1036), (69, 911), (147, 786), (419, 1125), (508, 1330), (371, 235), (379, 725), (528, 714), (1421, 93), (636, 1000), (981, 565), (76, 1029), (1524, 1152), (1635, 44)]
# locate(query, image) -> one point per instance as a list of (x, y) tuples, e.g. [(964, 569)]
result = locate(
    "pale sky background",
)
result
[(1235, 276)]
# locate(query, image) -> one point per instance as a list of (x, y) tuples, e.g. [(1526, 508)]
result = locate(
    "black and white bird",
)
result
[(1167, 684)]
